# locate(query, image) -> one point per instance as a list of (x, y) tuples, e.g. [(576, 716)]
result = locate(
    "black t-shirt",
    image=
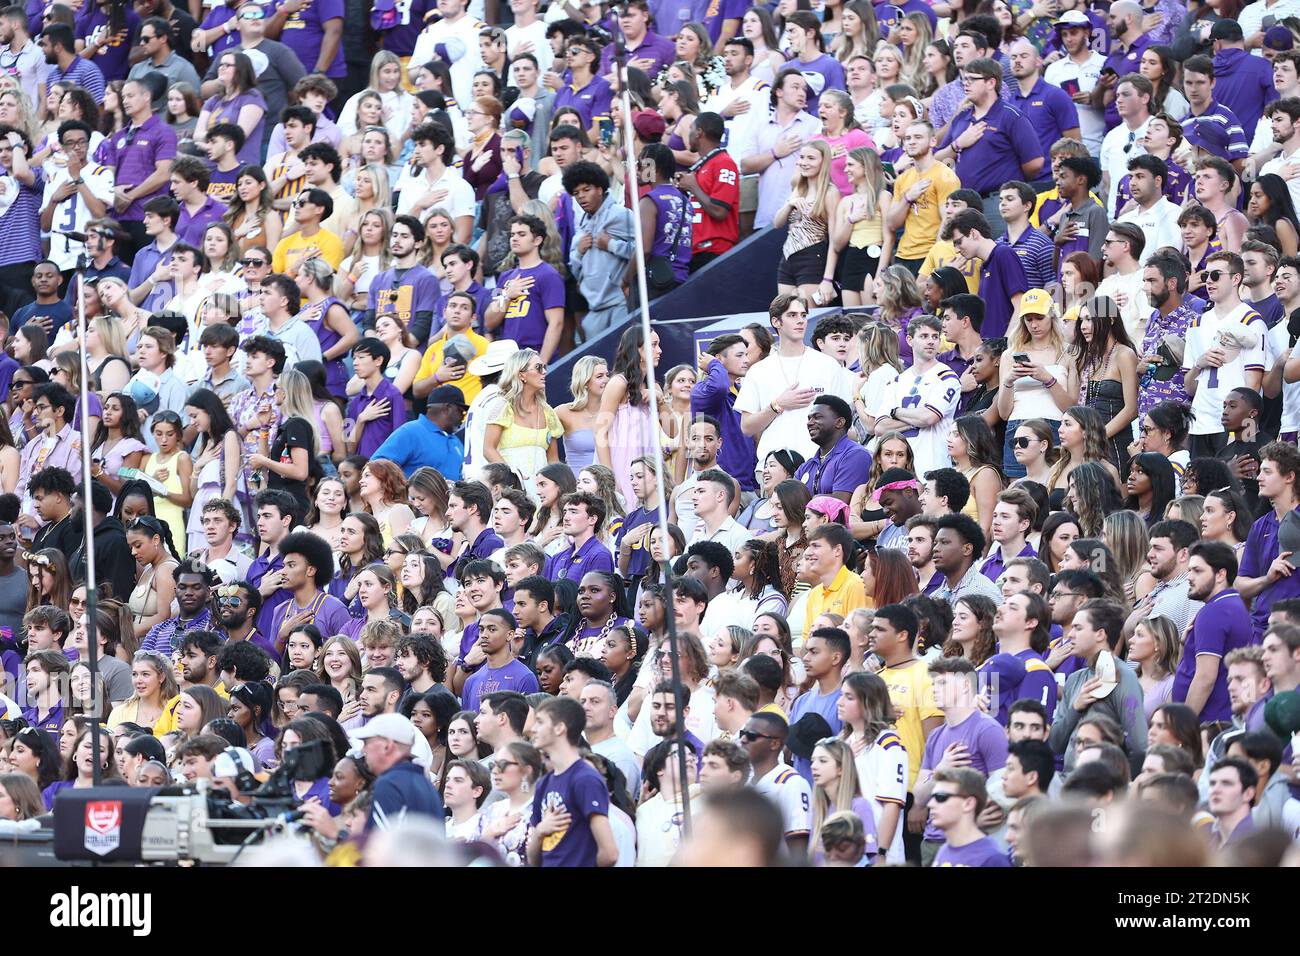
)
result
[(182, 31), (294, 433)]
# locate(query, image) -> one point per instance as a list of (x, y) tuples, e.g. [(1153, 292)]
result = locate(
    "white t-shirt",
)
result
[(536, 33), (1115, 155), (1092, 122), (72, 215), (1212, 385), (1159, 226), (1278, 341), (459, 200), (1275, 165), (882, 778), (873, 389), (792, 794), (658, 830), (937, 389), (776, 373), (1128, 294), (466, 30), (699, 721)]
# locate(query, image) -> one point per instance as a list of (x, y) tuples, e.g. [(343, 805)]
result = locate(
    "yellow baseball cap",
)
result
[(1036, 302)]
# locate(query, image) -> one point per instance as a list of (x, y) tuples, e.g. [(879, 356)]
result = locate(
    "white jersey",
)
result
[(882, 778), (792, 794), (756, 93), (1279, 341), (464, 65), (937, 389), (72, 215), (1213, 384)]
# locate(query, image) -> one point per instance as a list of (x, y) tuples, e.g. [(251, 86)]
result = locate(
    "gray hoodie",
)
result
[(1123, 705), (600, 271)]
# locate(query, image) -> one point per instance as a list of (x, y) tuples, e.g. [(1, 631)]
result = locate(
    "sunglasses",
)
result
[(252, 13), (945, 797), (254, 263), (1024, 442), (1213, 275), (37, 559), (749, 736)]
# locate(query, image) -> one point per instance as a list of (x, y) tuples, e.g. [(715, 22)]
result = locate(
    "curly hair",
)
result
[(390, 478)]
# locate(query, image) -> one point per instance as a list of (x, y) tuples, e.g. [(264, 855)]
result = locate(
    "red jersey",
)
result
[(719, 179)]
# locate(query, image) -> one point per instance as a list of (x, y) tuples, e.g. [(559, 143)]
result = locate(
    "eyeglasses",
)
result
[(1213, 275), (398, 551), (1057, 595), (750, 736)]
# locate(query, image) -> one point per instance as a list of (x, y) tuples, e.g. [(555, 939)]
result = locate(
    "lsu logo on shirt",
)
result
[(553, 802), (296, 21)]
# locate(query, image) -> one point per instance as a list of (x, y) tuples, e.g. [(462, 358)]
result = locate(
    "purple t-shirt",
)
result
[(1001, 277), (1219, 627), (672, 238), (134, 154), (404, 292), (378, 429), (525, 320), (843, 469), (112, 57), (822, 74), (1260, 552), (263, 565), (717, 12), (592, 556), (983, 852), (304, 34), (216, 16), (811, 702), (190, 228), (400, 39), (331, 617), (986, 745), (488, 680), (221, 184), (580, 792), (1039, 683), (222, 110)]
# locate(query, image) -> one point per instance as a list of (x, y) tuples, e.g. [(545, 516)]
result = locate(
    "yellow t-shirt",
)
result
[(921, 228), (846, 594), (470, 385), (942, 253), (909, 688), (292, 249)]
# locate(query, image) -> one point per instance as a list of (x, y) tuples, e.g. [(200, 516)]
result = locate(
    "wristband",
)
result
[(828, 278), (1050, 383)]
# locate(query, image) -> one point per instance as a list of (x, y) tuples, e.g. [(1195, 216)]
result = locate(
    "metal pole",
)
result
[(88, 516), (647, 358)]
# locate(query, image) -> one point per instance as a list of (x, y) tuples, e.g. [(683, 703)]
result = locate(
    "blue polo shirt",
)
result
[(1050, 112), (1001, 277), (573, 564), (1262, 550), (1037, 254), (1222, 625), (844, 468), (1009, 141), (419, 443)]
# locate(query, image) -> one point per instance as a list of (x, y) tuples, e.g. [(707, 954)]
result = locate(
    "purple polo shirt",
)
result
[(1260, 552), (304, 34), (1050, 112), (843, 468), (191, 227), (654, 47), (1007, 144), (20, 226), (592, 101), (134, 154), (525, 320), (488, 680), (986, 746), (112, 58), (573, 565), (1001, 277), (485, 544), (378, 429), (1124, 64), (1222, 625), (994, 564)]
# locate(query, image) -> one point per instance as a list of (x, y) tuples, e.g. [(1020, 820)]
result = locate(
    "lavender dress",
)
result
[(336, 373), (630, 437)]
